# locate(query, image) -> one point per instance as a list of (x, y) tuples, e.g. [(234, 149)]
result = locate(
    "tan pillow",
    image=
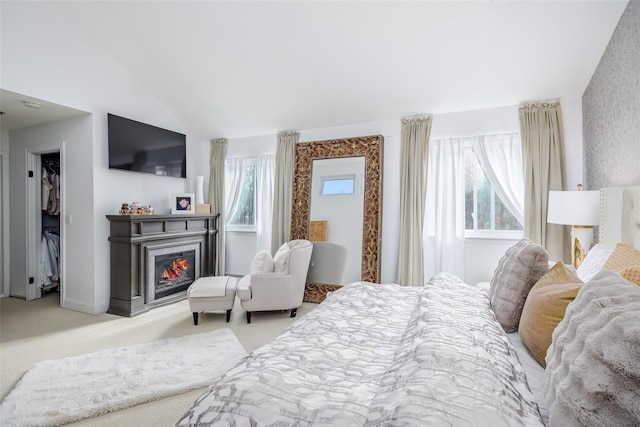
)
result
[(593, 375), (518, 270), (632, 274), (545, 307), (623, 256)]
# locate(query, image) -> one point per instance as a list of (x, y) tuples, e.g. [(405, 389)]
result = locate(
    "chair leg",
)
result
[(248, 317), (195, 318), (228, 315), (294, 311)]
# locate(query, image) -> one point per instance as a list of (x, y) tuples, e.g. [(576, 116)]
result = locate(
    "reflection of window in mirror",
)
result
[(336, 185)]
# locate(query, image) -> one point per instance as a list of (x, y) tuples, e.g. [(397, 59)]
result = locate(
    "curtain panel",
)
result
[(217, 154), (265, 174), (233, 183), (444, 222), (414, 153), (544, 170), (501, 159), (283, 189)]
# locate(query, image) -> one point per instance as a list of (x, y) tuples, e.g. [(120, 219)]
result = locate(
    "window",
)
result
[(244, 217), (335, 185), (484, 210)]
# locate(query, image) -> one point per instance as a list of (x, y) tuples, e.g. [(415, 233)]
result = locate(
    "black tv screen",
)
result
[(139, 147)]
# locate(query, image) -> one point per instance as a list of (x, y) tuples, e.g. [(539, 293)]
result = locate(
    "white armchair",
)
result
[(276, 283)]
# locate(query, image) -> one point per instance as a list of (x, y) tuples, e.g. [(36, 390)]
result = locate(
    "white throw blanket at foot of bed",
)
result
[(380, 355)]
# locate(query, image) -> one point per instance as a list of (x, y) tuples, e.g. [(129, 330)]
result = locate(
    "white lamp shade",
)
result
[(573, 207)]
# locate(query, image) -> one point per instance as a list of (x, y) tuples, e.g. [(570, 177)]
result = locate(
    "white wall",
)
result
[(78, 237), (47, 60)]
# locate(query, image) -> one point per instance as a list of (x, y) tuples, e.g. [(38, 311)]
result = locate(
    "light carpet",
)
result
[(57, 392)]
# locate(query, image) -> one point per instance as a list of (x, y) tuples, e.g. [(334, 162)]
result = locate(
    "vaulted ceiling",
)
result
[(239, 68)]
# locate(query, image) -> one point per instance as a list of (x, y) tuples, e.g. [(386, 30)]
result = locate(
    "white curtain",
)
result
[(501, 158), (233, 181), (444, 219), (413, 187), (265, 175), (283, 188), (217, 154)]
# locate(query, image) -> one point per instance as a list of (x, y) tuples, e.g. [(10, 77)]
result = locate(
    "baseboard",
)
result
[(84, 308)]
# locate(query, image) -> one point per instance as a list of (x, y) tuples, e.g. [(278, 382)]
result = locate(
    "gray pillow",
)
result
[(593, 374), (518, 270)]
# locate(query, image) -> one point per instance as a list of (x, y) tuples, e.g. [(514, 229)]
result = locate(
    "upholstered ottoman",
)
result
[(212, 293)]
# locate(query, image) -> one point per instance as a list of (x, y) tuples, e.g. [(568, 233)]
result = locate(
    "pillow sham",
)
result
[(262, 262), (593, 262), (624, 256), (632, 274), (593, 375), (517, 271), (545, 308)]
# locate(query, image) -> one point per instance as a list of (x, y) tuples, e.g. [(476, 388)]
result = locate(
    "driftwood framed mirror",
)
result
[(371, 149)]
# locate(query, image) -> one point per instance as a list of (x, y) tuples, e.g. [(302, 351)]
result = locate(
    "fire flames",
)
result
[(175, 272)]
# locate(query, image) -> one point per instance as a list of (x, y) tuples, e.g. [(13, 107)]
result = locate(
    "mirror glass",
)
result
[(337, 197)]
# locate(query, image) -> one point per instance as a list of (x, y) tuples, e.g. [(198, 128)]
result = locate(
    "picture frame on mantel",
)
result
[(183, 203)]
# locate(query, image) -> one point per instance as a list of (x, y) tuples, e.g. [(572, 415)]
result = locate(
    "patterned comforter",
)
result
[(379, 355)]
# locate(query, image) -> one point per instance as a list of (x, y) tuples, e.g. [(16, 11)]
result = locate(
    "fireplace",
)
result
[(172, 268), (174, 272), (154, 258)]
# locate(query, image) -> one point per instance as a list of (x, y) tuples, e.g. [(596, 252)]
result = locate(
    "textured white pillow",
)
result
[(261, 263), (593, 262), (281, 258)]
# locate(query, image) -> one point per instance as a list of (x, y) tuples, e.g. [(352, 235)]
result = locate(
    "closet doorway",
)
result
[(45, 234), (4, 224)]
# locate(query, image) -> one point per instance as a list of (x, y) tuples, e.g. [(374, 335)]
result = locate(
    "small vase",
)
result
[(200, 189)]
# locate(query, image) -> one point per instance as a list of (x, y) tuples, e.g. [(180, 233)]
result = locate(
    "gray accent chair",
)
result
[(328, 262)]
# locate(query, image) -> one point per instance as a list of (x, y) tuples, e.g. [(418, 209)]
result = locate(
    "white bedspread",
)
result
[(380, 355)]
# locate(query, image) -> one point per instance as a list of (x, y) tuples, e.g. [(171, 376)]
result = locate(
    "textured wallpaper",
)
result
[(611, 109)]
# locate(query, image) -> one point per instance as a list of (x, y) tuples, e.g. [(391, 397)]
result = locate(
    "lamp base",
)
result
[(582, 237)]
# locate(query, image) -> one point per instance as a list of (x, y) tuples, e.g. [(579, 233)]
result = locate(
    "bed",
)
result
[(438, 355)]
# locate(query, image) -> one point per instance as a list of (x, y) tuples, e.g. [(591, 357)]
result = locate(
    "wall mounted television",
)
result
[(139, 147)]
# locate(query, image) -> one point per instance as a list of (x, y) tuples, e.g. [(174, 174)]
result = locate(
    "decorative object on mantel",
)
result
[(203, 208), (200, 189), (183, 203), (136, 208), (580, 210)]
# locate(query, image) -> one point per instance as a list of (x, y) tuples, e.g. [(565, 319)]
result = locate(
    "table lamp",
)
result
[(580, 210)]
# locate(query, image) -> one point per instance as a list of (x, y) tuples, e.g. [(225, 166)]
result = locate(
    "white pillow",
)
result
[(593, 262), (261, 263), (281, 259)]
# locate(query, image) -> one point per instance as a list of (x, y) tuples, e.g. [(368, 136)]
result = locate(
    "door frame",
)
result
[(4, 225), (34, 218)]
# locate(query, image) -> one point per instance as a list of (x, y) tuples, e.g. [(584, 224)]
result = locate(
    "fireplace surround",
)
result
[(185, 245)]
